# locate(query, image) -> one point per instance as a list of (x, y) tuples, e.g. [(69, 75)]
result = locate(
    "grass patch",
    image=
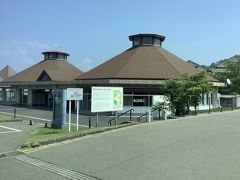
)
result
[(43, 136), (4, 118)]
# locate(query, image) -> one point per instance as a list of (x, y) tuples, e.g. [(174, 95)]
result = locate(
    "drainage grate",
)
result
[(56, 169)]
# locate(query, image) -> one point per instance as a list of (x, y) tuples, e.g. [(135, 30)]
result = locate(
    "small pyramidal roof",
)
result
[(7, 72), (54, 67), (146, 59)]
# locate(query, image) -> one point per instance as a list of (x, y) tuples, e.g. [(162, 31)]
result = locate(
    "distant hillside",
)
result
[(222, 63)]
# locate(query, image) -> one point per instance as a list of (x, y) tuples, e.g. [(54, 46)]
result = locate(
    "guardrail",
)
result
[(145, 114), (130, 116)]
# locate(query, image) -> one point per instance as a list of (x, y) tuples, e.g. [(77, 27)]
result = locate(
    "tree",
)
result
[(186, 91), (232, 73), (196, 85)]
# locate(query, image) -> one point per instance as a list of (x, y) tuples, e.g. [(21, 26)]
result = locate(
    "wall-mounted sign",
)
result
[(105, 99), (74, 94)]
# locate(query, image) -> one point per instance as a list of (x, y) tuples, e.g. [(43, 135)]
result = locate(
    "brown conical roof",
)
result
[(7, 72), (142, 62), (56, 70)]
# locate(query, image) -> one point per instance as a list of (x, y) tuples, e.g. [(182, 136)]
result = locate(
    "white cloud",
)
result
[(22, 54)]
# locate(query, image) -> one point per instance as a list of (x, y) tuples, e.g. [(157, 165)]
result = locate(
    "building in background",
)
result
[(33, 86), (140, 70), (7, 72)]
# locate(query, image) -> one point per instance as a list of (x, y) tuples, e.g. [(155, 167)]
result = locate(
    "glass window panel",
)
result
[(147, 40), (136, 42), (127, 100), (157, 42), (52, 56), (61, 56)]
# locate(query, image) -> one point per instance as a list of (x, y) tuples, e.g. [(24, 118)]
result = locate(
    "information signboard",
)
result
[(59, 108), (105, 99), (74, 94)]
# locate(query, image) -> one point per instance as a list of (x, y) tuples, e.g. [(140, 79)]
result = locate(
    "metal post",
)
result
[(89, 122), (232, 103), (77, 113), (159, 110), (130, 115), (69, 116), (116, 118), (209, 111), (146, 116), (14, 113)]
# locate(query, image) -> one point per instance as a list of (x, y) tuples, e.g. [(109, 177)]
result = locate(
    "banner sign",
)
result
[(105, 99)]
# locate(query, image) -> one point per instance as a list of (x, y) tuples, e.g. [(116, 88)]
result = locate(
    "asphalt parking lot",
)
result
[(13, 134), (43, 116)]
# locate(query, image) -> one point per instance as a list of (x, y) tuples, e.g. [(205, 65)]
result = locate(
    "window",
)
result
[(137, 41), (147, 41), (52, 56), (157, 42), (61, 56), (212, 98), (46, 56), (127, 100)]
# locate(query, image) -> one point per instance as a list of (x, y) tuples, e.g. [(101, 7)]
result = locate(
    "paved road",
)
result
[(202, 147)]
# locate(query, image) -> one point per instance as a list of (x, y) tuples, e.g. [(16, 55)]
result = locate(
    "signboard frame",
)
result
[(106, 99), (74, 94)]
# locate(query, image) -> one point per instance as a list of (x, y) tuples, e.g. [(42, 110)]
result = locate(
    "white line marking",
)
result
[(12, 129), (27, 116), (37, 118)]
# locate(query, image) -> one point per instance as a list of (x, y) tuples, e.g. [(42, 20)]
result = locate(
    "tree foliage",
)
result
[(232, 73), (186, 91)]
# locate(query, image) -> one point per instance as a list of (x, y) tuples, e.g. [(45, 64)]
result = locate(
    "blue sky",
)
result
[(93, 31)]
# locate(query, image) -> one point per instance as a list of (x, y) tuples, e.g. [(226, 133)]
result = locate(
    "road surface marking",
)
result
[(11, 130), (55, 169), (27, 116)]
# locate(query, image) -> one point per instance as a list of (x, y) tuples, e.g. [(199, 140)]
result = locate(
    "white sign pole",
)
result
[(77, 113), (69, 116)]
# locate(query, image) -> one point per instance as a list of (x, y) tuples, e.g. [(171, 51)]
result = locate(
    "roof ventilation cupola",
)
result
[(146, 40), (55, 55)]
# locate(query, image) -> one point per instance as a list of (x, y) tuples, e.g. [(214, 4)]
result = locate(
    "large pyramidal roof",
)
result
[(54, 67), (145, 60), (7, 72)]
